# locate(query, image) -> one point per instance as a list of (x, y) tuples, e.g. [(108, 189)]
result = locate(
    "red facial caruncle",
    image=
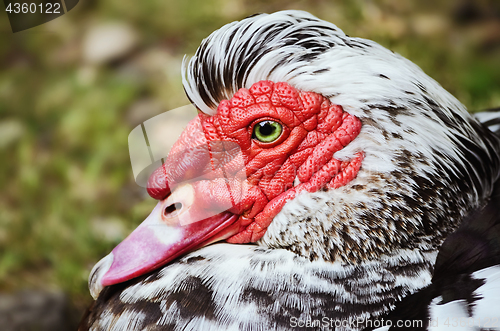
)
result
[(313, 130), (284, 143)]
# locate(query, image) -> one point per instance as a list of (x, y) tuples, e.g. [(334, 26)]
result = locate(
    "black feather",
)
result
[(475, 245)]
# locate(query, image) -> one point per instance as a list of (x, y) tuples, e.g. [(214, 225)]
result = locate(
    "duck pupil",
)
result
[(267, 129)]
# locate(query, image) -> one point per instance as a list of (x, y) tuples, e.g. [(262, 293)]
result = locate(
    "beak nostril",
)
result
[(172, 210)]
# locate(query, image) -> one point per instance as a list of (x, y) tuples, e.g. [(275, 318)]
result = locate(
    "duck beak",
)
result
[(161, 238), (176, 226)]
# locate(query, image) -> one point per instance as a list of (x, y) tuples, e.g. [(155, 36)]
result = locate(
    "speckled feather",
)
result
[(230, 287)]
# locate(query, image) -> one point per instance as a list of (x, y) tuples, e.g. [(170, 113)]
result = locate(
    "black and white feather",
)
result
[(369, 250)]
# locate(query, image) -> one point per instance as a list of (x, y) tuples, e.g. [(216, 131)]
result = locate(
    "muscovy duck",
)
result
[(351, 190)]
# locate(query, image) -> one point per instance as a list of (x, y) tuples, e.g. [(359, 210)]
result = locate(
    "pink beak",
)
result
[(166, 233)]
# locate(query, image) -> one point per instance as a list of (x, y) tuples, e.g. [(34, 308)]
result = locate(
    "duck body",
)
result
[(377, 201), (245, 287)]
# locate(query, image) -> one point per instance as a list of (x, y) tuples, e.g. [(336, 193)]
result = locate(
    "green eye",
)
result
[(267, 131)]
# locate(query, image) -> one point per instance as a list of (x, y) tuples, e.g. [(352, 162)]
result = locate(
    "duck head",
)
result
[(308, 140)]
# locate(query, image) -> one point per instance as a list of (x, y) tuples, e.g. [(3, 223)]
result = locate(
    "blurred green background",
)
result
[(71, 91)]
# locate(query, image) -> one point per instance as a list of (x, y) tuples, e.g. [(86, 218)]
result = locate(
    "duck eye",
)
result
[(267, 131)]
